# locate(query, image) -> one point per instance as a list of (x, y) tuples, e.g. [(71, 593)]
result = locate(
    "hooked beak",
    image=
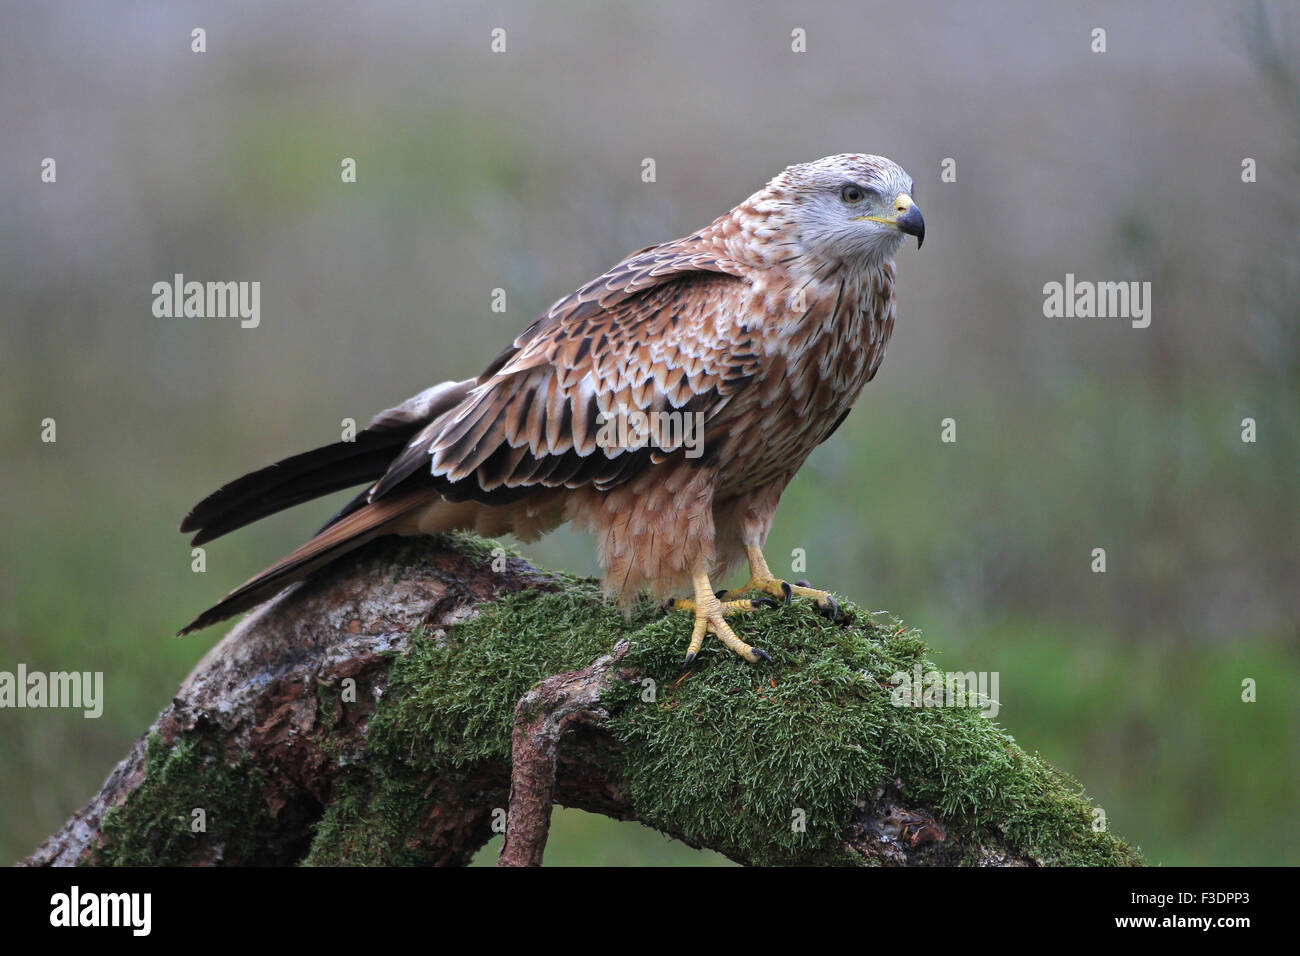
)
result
[(906, 218), (909, 218)]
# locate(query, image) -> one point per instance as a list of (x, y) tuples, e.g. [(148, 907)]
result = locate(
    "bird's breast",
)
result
[(817, 362)]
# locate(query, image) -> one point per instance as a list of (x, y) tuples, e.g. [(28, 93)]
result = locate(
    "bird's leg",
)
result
[(761, 579), (710, 614)]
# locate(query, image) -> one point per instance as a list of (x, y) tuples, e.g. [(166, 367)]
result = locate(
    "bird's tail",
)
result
[(292, 481), (313, 474), (348, 532), (322, 471)]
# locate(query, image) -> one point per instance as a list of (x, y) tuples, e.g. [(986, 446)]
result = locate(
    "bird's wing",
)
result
[(661, 331)]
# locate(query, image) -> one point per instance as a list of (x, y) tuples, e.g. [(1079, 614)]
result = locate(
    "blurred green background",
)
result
[(521, 170)]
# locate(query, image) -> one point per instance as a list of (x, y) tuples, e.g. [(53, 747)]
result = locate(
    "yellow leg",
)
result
[(760, 579), (710, 618)]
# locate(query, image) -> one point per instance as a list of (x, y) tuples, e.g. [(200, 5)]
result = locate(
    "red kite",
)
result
[(664, 406)]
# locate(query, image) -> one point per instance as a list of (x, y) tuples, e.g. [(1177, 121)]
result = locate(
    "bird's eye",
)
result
[(852, 193)]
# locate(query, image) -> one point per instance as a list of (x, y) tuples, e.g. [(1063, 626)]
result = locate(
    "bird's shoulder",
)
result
[(672, 286)]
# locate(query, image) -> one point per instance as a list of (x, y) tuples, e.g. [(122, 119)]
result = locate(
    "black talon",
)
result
[(720, 593), (804, 584), (833, 611), (690, 656), (761, 653), (787, 590), (763, 602)]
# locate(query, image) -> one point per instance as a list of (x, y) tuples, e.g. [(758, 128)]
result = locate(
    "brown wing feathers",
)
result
[(535, 421)]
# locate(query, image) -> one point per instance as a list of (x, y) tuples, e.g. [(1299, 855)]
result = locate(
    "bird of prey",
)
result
[(761, 329)]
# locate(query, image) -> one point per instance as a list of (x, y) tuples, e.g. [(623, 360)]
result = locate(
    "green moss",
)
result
[(481, 550), (153, 828), (450, 706), (733, 754), (370, 821), (415, 554), (456, 698)]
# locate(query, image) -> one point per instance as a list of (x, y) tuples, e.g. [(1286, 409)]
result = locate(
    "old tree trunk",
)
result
[(405, 706)]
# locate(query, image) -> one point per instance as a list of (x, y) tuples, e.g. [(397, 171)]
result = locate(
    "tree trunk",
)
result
[(403, 706)]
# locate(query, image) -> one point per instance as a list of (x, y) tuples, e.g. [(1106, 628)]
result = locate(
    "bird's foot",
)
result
[(784, 590), (710, 618)]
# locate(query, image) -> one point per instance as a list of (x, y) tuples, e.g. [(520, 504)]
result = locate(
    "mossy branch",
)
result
[(401, 707)]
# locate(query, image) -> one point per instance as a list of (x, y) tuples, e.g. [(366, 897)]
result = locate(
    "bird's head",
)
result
[(844, 208)]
